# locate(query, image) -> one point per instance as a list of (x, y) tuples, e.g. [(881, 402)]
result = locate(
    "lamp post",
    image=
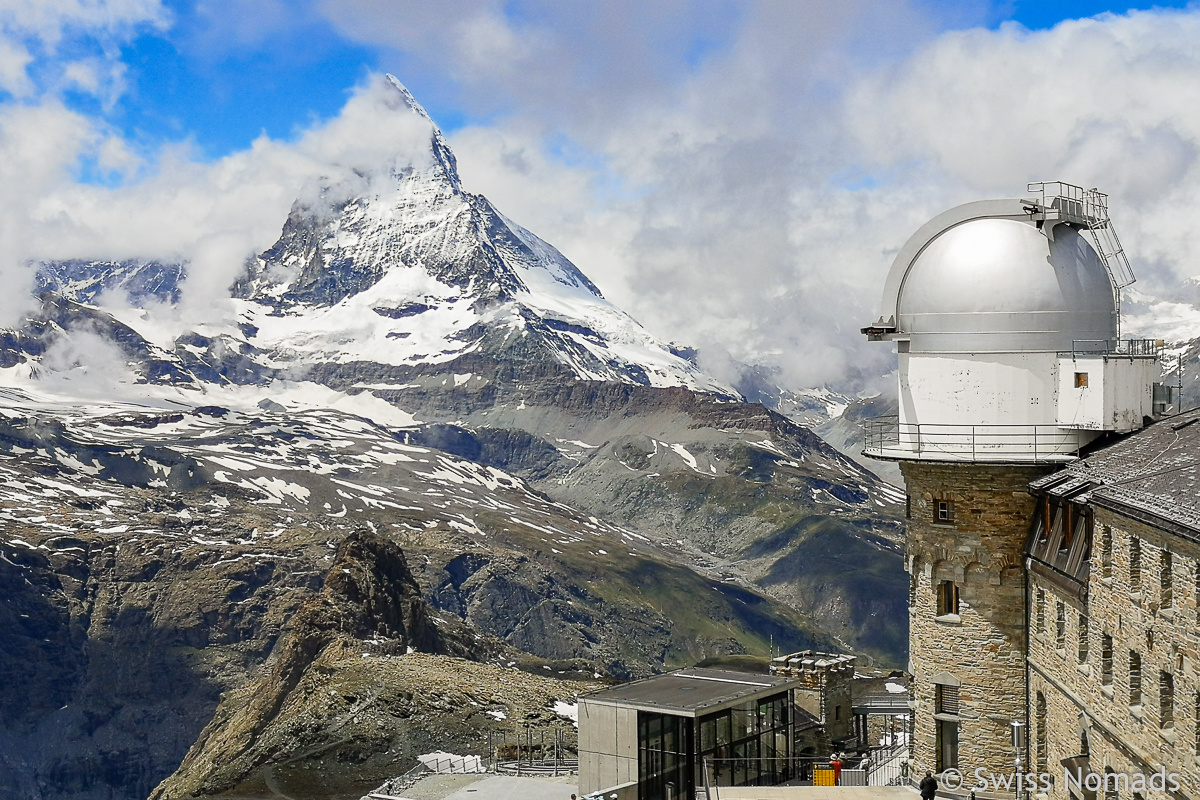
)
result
[(1017, 729)]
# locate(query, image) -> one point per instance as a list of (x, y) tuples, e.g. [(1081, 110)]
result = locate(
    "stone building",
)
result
[(1021, 409), (1114, 611)]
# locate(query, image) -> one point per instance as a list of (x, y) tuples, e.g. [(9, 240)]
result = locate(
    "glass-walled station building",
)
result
[(662, 733)]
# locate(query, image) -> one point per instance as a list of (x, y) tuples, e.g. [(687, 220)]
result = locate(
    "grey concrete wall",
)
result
[(607, 746)]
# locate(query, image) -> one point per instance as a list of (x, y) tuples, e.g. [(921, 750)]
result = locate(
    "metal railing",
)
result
[(887, 437), (1088, 208), (880, 703), (1138, 348), (877, 766)]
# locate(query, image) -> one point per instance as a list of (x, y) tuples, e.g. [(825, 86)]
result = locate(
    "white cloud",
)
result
[(764, 201), (746, 197)]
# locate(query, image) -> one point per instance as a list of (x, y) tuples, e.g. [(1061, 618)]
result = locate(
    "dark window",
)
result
[(1060, 626), (1039, 715), (947, 744), (1165, 570), (1196, 744), (1198, 586), (745, 745), (943, 511), (664, 756), (1106, 660), (1111, 791), (1085, 748), (945, 699), (1166, 700), (1135, 679), (947, 598), (1083, 638), (1135, 564), (1041, 610), (908, 506), (1106, 552)]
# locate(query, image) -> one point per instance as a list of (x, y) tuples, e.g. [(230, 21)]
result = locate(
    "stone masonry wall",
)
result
[(1122, 736), (983, 646)]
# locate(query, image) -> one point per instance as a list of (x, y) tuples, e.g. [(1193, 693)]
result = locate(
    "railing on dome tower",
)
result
[(888, 438), (1131, 348)]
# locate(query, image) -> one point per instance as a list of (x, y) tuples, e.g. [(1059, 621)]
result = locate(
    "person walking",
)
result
[(928, 787)]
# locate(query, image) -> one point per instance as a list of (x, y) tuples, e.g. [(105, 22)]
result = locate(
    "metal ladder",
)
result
[(1088, 208)]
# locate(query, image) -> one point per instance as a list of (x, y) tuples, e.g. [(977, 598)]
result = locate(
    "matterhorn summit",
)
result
[(388, 266)]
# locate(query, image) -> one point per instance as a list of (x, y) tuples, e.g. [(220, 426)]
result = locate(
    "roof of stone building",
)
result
[(1152, 475)]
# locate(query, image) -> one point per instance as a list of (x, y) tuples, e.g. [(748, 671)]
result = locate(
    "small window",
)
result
[(1135, 678), (1111, 792), (943, 511), (1106, 660), (1039, 716), (908, 506), (947, 598), (1060, 626), (1041, 610), (1106, 552), (837, 712), (1081, 380), (1083, 638), (1196, 744), (1166, 700), (1135, 564), (1165, 583), (946, 699)]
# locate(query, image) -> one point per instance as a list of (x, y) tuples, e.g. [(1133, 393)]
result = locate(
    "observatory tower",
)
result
[(1005, 315)]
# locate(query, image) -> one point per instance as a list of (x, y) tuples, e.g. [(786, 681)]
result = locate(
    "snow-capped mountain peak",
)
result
[(409, 269)]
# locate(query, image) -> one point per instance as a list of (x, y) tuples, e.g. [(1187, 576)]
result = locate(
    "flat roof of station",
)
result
[(691, 692)]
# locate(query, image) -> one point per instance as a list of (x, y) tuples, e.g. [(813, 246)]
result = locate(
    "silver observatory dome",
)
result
[(987, 277)]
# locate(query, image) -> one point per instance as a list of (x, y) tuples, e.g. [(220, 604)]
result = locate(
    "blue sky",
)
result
[(192, 81)]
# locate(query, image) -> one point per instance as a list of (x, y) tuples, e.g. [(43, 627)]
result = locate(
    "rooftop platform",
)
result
[(691, 692)]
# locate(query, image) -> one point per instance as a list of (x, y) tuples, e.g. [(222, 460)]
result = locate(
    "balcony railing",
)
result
[(1133, 348), (888, 438)]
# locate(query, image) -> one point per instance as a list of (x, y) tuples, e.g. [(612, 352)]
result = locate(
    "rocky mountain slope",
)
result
[(568, 491), (155, 558)]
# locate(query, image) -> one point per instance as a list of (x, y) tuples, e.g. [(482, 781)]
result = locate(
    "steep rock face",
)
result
[(368, 599), (113, 657)]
